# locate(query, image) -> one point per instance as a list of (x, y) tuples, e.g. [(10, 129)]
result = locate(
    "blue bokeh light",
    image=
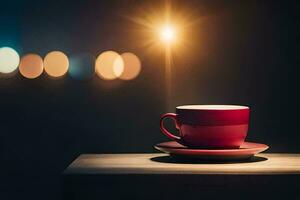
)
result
[(82, 66)]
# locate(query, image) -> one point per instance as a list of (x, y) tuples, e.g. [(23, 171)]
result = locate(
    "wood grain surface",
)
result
[(157, 163)]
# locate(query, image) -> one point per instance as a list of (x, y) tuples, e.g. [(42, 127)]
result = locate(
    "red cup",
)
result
[(209, 126)]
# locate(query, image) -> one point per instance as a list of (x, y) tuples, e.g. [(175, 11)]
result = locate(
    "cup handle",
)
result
[(173, 116)]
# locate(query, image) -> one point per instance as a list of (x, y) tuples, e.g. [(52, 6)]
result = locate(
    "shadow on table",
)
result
[(185, 160)]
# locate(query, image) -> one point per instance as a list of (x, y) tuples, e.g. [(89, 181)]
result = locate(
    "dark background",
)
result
[(238, 52)]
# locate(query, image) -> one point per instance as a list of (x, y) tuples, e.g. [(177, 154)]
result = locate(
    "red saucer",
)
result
[(246, 150)]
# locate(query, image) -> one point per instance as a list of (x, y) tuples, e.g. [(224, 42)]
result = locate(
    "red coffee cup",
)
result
[(209, 126)]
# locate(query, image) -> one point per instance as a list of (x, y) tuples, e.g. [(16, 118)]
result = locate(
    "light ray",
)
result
[(165, 31)]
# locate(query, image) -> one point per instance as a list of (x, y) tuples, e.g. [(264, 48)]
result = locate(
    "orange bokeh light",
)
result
[(109, 65), (132, 66), (31, 66), (56, 63)]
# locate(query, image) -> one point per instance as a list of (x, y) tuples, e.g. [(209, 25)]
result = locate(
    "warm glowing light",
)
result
[(159, 27), (169, 30), (31, 66), (9, 60), (82, 66), (168, 34), (118, 66), (109, 65), (56, 63), (132, 66)]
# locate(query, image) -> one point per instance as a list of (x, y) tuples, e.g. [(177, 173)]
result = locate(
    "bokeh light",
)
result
[(82, 66), (56, 63), (132, 66), (31, 66), (118, 66), (9, 60), (109, 65)]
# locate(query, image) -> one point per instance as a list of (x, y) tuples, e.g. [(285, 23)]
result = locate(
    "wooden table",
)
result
[(149, 176)]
